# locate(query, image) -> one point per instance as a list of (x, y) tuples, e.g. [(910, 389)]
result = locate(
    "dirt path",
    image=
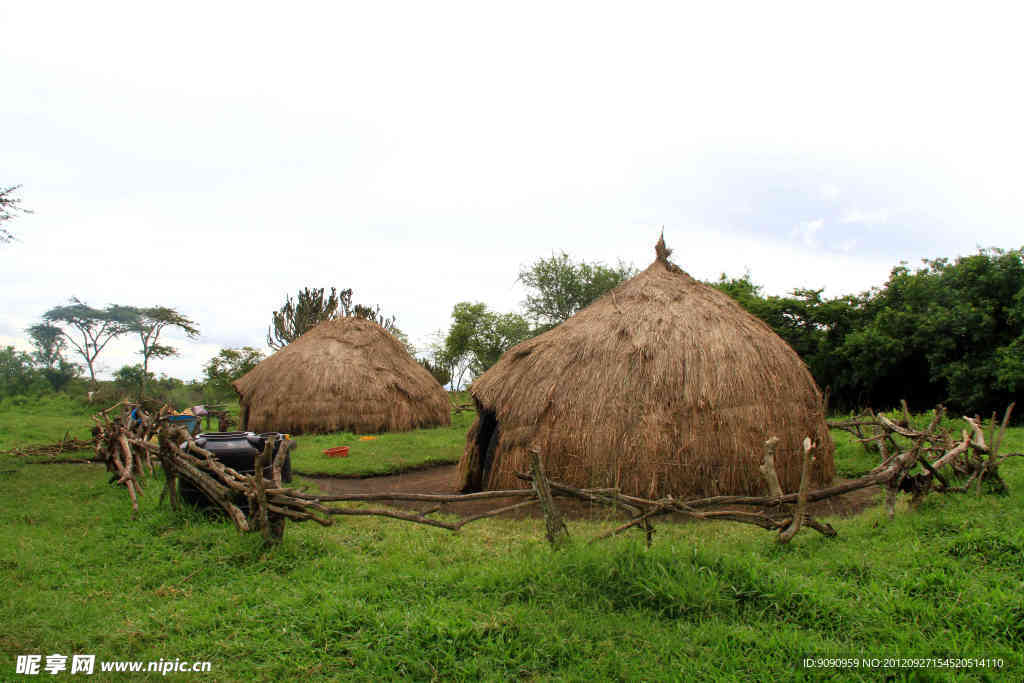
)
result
[(441, 479)]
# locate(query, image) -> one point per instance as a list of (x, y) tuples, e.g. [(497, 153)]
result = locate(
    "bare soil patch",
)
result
[(441, 479)]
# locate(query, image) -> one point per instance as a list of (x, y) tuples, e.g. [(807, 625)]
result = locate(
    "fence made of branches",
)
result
[(918, 461)]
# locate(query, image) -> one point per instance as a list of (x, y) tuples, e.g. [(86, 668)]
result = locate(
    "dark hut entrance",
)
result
[(486, 444)]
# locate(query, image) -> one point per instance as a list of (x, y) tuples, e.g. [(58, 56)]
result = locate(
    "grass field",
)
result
[(371, 599)]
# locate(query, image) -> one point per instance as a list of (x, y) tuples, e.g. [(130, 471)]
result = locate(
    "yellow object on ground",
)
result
[(367, 438)]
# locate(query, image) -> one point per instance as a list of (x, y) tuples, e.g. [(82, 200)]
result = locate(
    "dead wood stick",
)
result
[(282, 454), (491, 513), (393, 514), (801, 503), (767, 468), (1002, 431), (953, 453), (298, 515), (606, 496), (215, 491), (424, 497), (557, 533), (934, 472), (288, 501), (978, 438), (260, 496), (906, 412), (632, 523)]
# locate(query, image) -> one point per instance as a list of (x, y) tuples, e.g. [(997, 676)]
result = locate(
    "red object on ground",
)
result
[(340, 452)]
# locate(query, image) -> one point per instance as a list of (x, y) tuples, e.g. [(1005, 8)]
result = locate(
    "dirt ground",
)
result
[(441, 479)]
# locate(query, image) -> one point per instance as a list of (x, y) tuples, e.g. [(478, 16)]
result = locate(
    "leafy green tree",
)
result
[(481, 336), (50, 343), (148, 324), (17, 376), (559, 287), (949, 332), (227, 366), (96, 328), (133, 378), (10, 206)]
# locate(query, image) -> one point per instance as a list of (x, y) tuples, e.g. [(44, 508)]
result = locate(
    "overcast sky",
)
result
[(213, 157)]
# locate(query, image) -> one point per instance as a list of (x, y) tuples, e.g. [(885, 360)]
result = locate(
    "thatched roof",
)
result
[(662, 386), (347, 374)]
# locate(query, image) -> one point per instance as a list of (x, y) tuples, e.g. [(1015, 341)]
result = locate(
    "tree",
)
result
[(133, 378), (314, 306), (50, 343), (441, 372), (49, 358), (481, 336), (10, 206), (148, 324), (310, 308), (17, 376), (559, 287), (949, 332), (96, 328), (227, 366)]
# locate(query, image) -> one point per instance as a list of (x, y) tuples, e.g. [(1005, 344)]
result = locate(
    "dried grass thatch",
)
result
[(347, 374), (663, 386)]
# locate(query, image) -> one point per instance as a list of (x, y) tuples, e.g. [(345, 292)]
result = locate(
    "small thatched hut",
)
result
[(663, 386), (347, 374)]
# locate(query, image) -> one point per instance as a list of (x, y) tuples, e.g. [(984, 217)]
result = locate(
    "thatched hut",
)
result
[(663, 386), (348, 374)]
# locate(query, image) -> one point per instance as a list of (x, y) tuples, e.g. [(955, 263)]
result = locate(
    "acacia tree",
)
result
[(10, 206), (559, 287), (96, 328), (148, 324)]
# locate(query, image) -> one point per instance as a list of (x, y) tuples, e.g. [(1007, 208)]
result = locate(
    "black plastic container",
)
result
[(237, 450)]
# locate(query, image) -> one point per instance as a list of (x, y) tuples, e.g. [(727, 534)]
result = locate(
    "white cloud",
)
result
[(829, 191), (807, 232), (859, 216)]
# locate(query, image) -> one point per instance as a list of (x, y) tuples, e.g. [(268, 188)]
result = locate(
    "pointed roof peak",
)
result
[(661, 250)]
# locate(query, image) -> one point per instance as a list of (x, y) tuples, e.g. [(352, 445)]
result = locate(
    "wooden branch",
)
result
[(421, 497), (394, 514), (801, 503), (557, 533), (767, 468), (259, 498), (491, 513)]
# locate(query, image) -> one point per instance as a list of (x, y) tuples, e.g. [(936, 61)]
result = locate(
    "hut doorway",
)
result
[(486, 444)]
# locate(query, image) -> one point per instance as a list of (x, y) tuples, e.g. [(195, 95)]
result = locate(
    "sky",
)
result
[(214, 157)]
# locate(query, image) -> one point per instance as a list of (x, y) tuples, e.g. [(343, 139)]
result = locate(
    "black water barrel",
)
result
[(237, 450)]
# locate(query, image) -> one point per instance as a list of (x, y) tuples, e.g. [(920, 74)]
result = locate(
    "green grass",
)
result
[(26, 421), (385, 453), (371, 599)]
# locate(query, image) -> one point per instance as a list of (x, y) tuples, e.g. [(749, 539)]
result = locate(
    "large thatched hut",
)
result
[(348, 374), (663, 386)]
